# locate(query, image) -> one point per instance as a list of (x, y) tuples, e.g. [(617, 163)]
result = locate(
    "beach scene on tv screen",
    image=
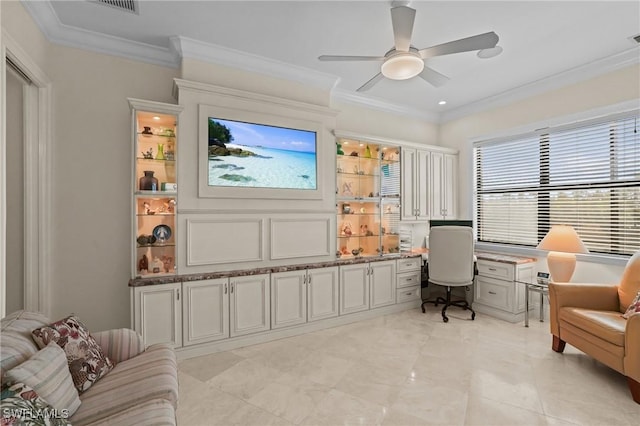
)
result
[(255, 155)]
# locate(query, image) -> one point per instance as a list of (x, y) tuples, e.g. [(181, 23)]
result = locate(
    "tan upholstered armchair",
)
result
[(589, 317)]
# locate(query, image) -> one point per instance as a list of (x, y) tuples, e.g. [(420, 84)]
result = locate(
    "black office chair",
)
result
[(451, 264)]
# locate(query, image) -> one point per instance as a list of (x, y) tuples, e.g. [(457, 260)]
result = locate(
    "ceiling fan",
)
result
[(404, 61)]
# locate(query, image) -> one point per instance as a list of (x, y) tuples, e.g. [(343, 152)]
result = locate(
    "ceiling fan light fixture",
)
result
[(402, 66), (489, 53)]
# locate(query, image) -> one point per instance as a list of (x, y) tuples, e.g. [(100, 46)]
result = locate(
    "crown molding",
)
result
[(574, 75), (215, 54), (380, 105), (47, 20)]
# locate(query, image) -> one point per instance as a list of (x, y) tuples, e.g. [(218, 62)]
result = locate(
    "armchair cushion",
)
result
[(607, 325)]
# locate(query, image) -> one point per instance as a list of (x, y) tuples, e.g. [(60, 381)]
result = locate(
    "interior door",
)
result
[(16, 89)]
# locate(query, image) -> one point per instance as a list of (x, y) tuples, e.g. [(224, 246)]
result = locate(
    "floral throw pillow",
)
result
[(634, 307), (21, 405), (87, 361)]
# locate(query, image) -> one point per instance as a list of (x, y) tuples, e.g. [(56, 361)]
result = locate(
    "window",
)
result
[(586, 175)]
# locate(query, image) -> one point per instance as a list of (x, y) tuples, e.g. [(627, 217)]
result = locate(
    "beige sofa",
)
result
[(589, 317), (142, 389)]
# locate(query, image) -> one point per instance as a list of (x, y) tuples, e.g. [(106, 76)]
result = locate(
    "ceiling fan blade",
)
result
[(433, 77), (477, 42), (369, 84), (402, 18), (350, 58)]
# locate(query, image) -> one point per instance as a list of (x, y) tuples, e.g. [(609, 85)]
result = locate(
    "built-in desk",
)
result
[(496, 291)]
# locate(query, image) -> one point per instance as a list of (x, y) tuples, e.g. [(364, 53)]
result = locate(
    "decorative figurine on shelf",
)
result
[(147, 131), (148, 155), (160, 154), (156, 265), (356, 252), (338, 254), (167, 261), (364, 229), (147, 208), (354, 153), (346, 229), (346, 188), (143, 264), (170, 155), (367, 152), (346, 208), (339, 150), (344, 250)]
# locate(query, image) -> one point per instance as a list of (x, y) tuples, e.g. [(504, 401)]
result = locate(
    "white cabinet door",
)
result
[(354, 288), (288, 298), (249, 304), (414, 200), (422, 187), (322, 293), (158, 314), (205, 305), (408, 164), (443, 185), (450, 186), (382, 279)]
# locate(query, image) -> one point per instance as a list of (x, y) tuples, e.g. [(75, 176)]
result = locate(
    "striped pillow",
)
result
[(47, 373)]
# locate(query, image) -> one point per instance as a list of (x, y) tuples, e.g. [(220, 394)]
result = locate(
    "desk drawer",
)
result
[(408, 279), (492, 292), (408, 294), (410, 264), (499, 270)]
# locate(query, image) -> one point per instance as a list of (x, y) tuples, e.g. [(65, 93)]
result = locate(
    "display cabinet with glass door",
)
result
[(367, 198), (155, 187)]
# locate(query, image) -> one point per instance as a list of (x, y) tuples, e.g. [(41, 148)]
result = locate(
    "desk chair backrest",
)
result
[(451, 255)]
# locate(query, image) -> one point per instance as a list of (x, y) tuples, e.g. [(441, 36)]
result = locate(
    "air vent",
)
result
[(125, 5), (636, 38)]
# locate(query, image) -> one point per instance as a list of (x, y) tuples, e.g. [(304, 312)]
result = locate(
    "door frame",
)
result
[(37, 179)]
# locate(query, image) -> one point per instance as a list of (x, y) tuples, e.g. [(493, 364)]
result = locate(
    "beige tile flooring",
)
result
[(407, 368)]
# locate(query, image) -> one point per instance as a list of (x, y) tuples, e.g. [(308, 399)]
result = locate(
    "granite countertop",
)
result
[(169, 279), (504, 258)]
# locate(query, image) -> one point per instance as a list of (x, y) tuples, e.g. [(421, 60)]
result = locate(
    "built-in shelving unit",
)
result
[(154, 187), (367, 198)]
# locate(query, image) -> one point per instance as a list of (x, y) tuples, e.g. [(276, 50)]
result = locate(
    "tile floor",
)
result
[(407, 368)]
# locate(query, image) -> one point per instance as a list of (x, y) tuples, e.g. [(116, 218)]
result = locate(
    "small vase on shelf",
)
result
[(160, 154), (148, 182)]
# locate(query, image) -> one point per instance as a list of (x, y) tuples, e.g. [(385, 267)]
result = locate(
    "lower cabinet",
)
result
[(497, 291), (302, 296), (367, 285), (225, 307), (197, 312), (157, 314)]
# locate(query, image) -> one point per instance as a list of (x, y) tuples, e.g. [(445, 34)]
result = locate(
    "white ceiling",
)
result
[(546, 43)]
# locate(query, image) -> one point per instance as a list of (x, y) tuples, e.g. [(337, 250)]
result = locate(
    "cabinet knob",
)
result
[(492, 292)]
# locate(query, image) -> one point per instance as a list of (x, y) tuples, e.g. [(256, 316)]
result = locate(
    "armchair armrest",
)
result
[(587, 296), (119, 344), (632, 347)]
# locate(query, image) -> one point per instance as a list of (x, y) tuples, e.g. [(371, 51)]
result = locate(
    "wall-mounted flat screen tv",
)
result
[(251, 155)]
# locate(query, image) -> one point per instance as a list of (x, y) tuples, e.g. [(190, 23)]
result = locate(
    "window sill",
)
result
[(541, 254)]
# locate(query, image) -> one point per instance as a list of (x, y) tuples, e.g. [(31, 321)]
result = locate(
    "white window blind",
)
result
[(587, 176)]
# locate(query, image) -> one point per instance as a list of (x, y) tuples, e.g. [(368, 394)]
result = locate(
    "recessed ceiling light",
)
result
[(442, 102), (361, 144), (156, 118), (489, 53)]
